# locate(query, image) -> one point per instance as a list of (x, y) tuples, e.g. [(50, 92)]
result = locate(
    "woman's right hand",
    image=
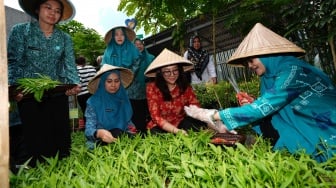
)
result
[(105, 136), (18, 97), (171, 128), (201, 114)]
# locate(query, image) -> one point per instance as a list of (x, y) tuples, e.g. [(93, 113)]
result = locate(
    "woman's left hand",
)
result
[(73, 91)]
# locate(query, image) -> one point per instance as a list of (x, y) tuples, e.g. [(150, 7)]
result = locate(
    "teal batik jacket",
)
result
[(302, 102), (30, 52)]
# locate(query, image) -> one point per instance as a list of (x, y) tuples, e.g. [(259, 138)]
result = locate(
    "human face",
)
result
[(170, 74), (255, 65), (139, 45), (196, 43), (50, 12), (119, 36), (112, 83)]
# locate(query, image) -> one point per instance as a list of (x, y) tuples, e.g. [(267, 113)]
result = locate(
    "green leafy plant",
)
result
[(37, 86), (170, 160)]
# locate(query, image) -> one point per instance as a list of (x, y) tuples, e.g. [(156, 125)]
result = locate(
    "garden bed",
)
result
[(177, 161)]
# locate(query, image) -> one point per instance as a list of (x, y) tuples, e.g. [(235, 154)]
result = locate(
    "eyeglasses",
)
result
[(170, 72)]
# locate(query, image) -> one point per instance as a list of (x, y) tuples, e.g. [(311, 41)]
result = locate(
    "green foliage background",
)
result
[(87, 42), (222, 95)]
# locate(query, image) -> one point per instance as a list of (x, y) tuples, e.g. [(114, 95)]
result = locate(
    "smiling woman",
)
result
[(169, 93), (296, 107)]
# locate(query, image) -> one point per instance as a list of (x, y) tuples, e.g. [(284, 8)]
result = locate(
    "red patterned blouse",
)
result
[(168, 111)]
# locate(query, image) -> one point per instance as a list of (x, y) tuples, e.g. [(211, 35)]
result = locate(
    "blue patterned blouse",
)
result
[(30, 52), (302, 102)]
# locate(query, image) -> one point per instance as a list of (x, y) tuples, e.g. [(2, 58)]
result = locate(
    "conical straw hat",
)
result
[(126, 77), (165, 58), (262, 41), (29, 7), (130, 34)]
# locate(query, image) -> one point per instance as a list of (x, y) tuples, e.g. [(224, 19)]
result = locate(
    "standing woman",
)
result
[(169, 93), (120, 50), (138, 93), (39, 47), (204, 67)]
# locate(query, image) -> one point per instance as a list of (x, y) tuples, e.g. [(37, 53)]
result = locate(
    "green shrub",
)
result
[(222, 95)]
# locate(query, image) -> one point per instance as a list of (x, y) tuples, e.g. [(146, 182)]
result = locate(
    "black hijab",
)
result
[(200, 57)]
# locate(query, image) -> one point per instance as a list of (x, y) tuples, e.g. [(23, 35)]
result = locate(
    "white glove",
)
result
[(205, 115), (221, 128), (201, 114)]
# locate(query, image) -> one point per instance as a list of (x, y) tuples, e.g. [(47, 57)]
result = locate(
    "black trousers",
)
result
[(18, 149), (268, 130), (46, 127), (140, 114), (188, 123)]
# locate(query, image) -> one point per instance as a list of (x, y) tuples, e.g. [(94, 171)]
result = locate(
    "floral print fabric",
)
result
[(168, 111)]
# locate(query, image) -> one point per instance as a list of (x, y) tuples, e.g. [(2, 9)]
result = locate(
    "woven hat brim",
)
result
[(129, 32), (126, 77), (165, 58), (69, 11), (262, 41)]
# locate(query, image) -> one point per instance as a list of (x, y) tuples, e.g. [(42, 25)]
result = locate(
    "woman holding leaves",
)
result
[(39, 48)]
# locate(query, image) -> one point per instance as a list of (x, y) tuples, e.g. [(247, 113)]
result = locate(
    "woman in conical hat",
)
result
[(109, 111), (296, 109), (122, 52), (169, 93), (39, 47)]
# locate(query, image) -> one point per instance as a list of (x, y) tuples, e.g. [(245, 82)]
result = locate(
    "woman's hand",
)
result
[(202, 114), (221, 128), (73, 91), (172, 129), (105, 136), (18, 97), (244, 98), (176, 131)]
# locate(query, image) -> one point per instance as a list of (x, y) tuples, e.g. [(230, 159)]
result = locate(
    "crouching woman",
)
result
[(109, 112)]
